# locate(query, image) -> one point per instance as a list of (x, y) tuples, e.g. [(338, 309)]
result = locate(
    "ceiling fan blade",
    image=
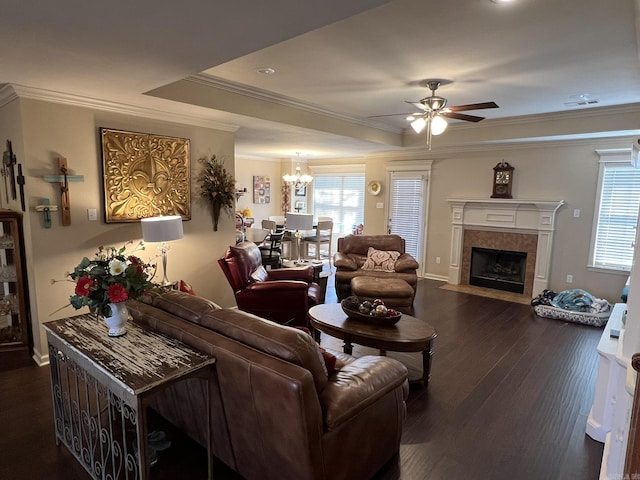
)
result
[(462, 116), (419, 105), (396, 114), (473, 106)]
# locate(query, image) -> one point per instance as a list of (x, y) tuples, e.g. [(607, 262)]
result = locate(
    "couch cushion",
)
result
[(184, 305), (383, 260), (283, 342)]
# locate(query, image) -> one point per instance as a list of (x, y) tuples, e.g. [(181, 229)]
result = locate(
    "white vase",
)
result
[(116, 322)]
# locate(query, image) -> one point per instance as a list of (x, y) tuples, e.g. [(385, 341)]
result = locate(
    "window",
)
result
[(616, 215), (406, 210), (341, 198)]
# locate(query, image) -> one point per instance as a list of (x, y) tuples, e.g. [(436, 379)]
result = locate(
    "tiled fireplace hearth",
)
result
[(503, 224)]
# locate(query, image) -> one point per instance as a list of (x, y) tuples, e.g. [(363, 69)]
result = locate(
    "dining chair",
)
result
[(269, 225), (271, 250), (321, 236)]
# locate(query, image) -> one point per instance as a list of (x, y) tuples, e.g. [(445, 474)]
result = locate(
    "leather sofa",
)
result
[(276, 412), (351, 255), (284, 295)]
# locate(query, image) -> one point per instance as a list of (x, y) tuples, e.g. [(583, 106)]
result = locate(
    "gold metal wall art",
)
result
[(144, 176)]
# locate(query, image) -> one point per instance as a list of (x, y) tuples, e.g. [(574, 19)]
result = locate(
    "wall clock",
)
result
[(502, 180), (374, 187)]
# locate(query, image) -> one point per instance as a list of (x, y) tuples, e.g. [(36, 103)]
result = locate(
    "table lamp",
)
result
[(299, 222), (162, 230)]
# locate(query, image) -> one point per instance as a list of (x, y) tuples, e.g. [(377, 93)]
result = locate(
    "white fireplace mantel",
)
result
[(502, 214)]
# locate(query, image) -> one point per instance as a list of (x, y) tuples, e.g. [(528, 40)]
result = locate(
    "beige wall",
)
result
[(50, 130), (245, 171)]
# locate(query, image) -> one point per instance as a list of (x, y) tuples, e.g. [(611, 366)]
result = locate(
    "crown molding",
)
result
[(10, 92), (266, 96), (423, 153)]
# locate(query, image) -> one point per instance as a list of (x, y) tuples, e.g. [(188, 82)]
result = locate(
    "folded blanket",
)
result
[(576, 300)]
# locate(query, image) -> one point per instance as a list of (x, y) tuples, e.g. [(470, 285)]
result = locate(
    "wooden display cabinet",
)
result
[(14, 319)]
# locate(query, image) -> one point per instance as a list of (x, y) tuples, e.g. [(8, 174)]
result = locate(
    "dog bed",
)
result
[(586, 318)]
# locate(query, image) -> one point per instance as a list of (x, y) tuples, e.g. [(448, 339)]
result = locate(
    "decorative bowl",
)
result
[(370, 318)]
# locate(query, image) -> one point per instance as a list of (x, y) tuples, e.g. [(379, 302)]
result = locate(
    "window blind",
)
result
[(407, 212), (341, 198), (617, 217)]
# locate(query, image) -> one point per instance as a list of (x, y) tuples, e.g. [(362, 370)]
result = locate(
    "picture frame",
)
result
[(261, 189), (145, 175), (301, 191)]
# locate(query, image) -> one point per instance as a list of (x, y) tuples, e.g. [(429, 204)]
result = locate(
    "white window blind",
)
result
[(407, 211), (617, 217), (341, 198)]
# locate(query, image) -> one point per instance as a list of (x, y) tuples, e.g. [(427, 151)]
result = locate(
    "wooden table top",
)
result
[(410, 334), (138, 360)]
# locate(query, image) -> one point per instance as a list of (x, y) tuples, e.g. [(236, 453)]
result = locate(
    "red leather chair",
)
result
[(283, 296)]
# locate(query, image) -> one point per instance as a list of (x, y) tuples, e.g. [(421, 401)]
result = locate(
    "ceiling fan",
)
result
[(433, 109)]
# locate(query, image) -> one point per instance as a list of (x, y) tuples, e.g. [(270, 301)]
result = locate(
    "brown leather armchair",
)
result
[(352, 254), (283, 296)]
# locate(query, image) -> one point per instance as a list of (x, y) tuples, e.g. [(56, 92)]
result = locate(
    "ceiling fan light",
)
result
[(418, 124), (438, 125)]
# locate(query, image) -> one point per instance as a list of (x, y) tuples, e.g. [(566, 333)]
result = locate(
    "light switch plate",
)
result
[(92, 214)]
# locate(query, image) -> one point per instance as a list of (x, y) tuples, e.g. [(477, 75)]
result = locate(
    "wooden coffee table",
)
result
[(408, 335)]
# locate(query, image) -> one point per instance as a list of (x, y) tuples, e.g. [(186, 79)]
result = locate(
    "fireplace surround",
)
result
[(503, 224)]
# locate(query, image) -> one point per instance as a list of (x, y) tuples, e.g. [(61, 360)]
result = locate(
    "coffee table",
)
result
[(410, 334)]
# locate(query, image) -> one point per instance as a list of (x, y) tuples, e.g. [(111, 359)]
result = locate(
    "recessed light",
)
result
[(501, 1), (266, 71)]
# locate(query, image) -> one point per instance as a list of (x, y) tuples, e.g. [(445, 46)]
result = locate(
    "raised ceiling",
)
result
[(336, 63)]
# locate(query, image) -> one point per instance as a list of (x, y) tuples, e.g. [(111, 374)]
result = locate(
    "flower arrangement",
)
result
[(217, 187), (113, 276)]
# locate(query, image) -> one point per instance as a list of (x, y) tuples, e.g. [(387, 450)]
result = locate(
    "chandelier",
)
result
[(298, 180)]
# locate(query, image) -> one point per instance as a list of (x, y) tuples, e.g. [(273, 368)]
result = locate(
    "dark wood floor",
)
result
[(509, 397)]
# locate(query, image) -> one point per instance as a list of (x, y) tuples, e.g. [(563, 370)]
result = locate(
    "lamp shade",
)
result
[(438, 125), (162, 229), (299, 221)]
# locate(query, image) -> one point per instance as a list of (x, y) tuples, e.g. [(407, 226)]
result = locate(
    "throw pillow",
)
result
[(382, 260), (186, 288)]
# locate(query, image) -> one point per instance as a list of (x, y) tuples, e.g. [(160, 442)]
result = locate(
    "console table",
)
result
[(101, 387)]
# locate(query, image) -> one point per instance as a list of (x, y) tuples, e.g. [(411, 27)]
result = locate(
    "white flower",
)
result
[(117, 267)]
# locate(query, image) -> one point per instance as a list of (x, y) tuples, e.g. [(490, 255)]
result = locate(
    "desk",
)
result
[(408, 335), (101, 387)]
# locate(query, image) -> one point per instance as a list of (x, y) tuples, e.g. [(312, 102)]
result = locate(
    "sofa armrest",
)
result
[(359, 384), (304, 274), (266, 288), (405, 263), (344, 261)]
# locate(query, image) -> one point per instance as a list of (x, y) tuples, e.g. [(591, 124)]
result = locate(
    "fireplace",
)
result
[(499, 269), (511, 225)]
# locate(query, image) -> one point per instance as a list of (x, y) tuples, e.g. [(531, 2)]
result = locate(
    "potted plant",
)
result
[(105, 282)]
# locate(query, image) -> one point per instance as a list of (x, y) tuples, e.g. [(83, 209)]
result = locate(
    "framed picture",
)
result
[(299, 206), (301, 191), (144, 175), (261, 189)]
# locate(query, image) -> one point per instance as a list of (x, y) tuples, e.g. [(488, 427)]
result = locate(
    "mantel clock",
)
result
[(502, 180)]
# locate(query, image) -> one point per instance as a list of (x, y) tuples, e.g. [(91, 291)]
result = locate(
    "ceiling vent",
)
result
[(581, 103)]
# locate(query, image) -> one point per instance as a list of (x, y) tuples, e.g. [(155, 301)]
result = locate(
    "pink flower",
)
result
[(117, 293), (83, 287)]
